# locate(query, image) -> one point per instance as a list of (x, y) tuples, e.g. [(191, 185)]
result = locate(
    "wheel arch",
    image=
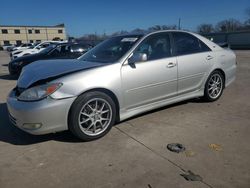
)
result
[(107, 92), (223, 74)]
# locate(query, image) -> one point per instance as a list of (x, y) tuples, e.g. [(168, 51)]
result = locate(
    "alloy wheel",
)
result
[(95, 116), (215, 86)]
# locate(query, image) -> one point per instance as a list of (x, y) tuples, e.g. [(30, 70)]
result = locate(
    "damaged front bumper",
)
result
[(39, 117)]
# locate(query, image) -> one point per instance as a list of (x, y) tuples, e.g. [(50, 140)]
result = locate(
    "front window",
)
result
[(47, 50), (60, 49), (44, 45), (111, 50), (156, 46)]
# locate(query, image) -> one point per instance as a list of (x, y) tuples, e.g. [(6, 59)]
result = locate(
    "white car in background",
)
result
[(23, 46), (32, 50), (6, 46)]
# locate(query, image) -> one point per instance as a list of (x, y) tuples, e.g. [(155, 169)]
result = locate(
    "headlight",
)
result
[(39, 92)]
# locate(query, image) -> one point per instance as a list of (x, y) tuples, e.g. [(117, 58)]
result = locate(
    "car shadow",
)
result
[(12, 135), (196, 100), (8, 77)]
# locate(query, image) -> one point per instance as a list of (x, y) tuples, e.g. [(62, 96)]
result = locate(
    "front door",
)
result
[(152, 80)]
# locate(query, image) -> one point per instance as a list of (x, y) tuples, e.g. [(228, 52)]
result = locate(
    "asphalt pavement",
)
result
[(134, 153)]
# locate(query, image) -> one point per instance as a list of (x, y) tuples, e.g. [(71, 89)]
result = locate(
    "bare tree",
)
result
[(228, 25), (248, 12), (205, 28), (122, 32), (247, 22), (155, 28), (162, 27), (169, 27), (138, 30)]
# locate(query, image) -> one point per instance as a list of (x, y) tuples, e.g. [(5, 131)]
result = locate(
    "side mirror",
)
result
[(137, 57)]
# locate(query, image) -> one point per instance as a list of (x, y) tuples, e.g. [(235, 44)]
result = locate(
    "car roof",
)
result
[(130, 35), (62, 44), (145, 33), (71, 43)]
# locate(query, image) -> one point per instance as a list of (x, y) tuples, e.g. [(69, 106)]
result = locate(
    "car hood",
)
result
[(27, 58), (15, 51), (23, 51), (47, 70), (30, 50)]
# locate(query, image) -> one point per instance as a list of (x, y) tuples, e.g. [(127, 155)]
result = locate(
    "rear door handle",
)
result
[(171, 64), (209, 57)]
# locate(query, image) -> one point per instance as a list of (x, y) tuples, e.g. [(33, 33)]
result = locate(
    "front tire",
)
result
[(92, 115), (214, 86)]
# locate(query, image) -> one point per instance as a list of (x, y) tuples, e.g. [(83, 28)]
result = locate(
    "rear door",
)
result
[(194, 60)]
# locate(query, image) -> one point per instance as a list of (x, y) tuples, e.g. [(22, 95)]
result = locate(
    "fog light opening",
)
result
[(32, 126)]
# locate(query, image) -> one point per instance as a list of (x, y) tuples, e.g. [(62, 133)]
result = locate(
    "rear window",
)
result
[(204, 47), (188, 44)]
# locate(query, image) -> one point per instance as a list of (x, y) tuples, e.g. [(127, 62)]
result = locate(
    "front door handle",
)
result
[(209, 57), (171, 64)]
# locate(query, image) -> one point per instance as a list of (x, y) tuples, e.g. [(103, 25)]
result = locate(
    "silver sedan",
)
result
[(121, 77)]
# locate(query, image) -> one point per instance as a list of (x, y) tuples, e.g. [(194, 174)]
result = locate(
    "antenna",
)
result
[(179, 24)]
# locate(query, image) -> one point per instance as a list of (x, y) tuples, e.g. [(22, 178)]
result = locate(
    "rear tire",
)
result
[(214, 86), (92, 115)]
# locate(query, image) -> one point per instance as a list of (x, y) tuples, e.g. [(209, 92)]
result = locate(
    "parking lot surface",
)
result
[(134, 153)]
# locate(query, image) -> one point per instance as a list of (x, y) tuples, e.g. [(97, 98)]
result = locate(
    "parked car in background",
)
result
[(119, 78), (23, 46), (6, 46), (32, 50), (10, 48), (55, 51)]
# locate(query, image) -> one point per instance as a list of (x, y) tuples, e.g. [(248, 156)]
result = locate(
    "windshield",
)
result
[(111, 50), (48, 49)]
